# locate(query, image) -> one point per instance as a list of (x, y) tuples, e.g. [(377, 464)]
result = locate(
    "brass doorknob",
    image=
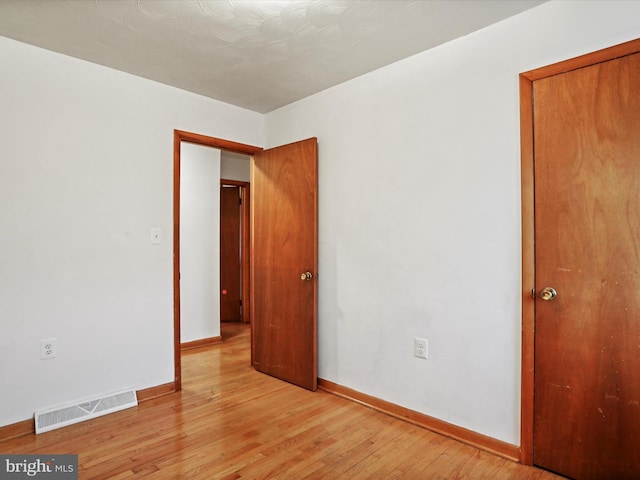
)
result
[(547, 294), (306, 276)]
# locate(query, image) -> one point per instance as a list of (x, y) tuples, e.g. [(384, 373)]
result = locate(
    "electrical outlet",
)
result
[(48, 349), (420, 347)]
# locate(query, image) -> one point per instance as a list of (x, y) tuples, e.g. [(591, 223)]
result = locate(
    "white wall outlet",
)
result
[(48, 349), (420, 347)]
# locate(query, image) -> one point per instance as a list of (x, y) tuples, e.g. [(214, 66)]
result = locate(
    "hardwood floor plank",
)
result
[(230, 422)]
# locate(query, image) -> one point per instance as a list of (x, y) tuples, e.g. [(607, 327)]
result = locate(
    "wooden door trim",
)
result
[(245, 213), (180, 136), (528, 224)]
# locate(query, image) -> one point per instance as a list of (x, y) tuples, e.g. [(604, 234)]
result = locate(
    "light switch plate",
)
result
[(155, 236)]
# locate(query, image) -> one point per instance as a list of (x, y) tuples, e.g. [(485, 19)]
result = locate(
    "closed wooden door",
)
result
[(284, 262), (587, 248), (230, 260)]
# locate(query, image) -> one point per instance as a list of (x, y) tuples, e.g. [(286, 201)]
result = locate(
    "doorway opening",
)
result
[(221, 144)]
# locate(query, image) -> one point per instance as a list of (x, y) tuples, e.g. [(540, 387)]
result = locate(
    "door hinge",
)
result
[(240, 302), (240, 201), (533, 293)]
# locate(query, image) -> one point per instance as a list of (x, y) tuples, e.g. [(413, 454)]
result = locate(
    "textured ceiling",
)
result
[(258, 54)]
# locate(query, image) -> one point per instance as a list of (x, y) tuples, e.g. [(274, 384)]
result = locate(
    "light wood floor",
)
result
[(230, 422)]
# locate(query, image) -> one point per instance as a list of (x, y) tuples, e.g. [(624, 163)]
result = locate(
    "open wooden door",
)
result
[(284, 259), (587, 270)]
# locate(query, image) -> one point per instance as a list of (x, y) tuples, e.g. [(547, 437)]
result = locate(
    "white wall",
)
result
[(420, 214), (235, 166), (86, 170), (199, 242)]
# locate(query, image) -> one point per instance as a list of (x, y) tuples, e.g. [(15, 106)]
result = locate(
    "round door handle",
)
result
[(306, 276), (547, 294)]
